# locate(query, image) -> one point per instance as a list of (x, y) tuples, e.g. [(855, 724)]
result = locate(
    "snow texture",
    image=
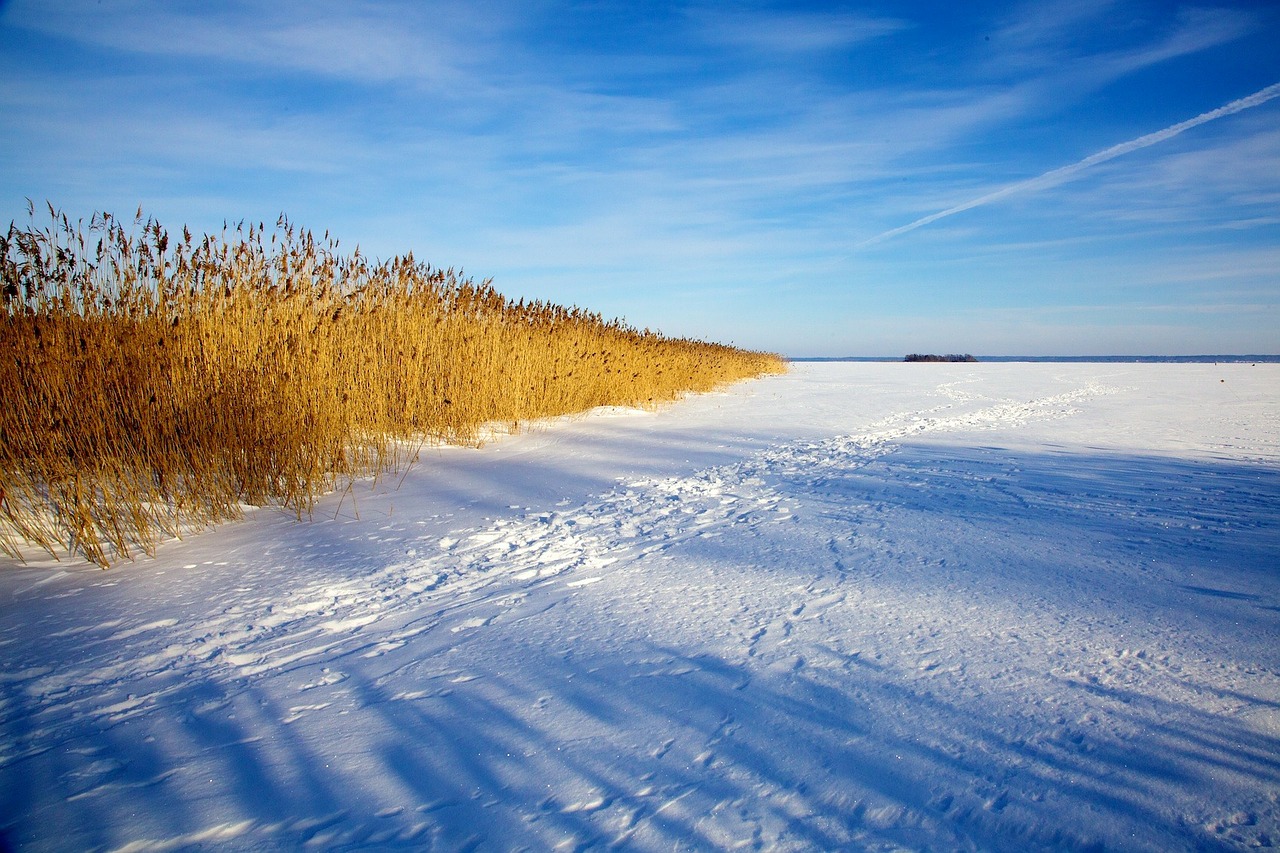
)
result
[(859, 606)]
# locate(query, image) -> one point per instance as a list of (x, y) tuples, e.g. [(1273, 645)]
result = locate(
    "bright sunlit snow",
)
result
[(860, 606)]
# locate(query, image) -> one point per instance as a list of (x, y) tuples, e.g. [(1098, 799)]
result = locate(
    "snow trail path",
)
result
[(862, 606)]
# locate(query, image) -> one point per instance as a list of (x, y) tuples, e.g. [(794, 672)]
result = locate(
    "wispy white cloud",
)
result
[(1194, 31), (1052, 54), (1053, 177), (361, 40), (1041, 23), (1228, 183), (1196, 265), (791, 33), (1055, 37)]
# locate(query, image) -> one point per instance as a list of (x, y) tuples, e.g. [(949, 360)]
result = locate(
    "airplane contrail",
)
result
[(1065, 173)]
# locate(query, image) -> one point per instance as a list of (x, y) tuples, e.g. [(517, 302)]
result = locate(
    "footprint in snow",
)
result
[(325, 680), (590, 805), (297, 712), (663, 749), (472, 623)]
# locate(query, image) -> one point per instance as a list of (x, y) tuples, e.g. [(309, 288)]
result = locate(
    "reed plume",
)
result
[(155, 384)]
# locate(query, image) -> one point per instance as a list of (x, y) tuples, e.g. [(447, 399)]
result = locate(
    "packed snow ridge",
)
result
[(860, 606)]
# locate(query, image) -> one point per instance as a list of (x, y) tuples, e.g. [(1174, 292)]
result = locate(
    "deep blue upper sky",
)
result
[(762, 173)]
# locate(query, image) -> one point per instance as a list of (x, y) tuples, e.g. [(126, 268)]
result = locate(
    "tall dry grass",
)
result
[(152, 384)]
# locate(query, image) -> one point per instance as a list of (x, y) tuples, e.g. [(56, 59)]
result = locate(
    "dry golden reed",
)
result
[(153, 384)]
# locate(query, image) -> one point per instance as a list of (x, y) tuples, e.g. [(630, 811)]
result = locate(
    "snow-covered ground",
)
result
[(860, 606)]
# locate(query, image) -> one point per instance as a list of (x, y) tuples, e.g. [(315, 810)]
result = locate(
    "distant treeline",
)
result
[(915, 356)]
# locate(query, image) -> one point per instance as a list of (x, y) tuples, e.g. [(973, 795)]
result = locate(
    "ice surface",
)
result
[(860, 606)]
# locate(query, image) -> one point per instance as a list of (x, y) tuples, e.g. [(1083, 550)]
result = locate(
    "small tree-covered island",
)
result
[(915, 356)]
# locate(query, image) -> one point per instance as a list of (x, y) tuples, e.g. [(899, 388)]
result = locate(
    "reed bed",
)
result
[(153, 384)]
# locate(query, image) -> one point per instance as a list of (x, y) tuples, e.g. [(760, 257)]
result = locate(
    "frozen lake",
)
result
[(860, 606)]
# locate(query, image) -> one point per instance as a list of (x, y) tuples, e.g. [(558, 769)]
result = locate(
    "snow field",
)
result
[(856, 607)]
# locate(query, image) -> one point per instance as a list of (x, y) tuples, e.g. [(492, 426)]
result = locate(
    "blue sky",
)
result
[(754, 173)]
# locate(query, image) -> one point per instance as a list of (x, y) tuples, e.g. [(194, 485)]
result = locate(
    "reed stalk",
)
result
[(153, 385)]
